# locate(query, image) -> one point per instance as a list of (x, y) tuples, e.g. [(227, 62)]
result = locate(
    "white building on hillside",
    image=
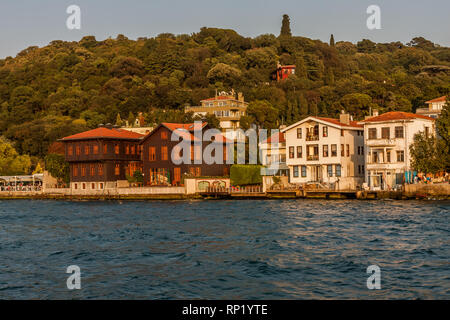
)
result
[(326, 150), (387, 141), (434, 109)]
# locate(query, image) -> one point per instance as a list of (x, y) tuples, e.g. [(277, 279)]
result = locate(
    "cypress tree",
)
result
[(286, 27), (332, 40)]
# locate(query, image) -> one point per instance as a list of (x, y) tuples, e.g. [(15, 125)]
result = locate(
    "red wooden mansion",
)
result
[(104, 156)]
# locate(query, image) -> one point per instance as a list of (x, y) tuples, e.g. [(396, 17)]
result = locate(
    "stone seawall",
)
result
[(441, 190)]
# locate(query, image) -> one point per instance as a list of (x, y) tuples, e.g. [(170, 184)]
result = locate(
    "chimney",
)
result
[(344, 118), (375, 113)]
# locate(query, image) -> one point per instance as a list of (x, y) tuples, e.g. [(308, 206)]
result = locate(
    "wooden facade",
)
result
[(99, 157), (158, 166)]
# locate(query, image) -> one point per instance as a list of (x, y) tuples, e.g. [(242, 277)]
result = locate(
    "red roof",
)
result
[(181, 128), (279, 137), (288, 67), (396, 115), (441, 99), (103, 132), (337, 122)]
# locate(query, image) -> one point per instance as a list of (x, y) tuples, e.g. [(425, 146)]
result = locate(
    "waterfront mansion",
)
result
[(326, 151), (387, 139)]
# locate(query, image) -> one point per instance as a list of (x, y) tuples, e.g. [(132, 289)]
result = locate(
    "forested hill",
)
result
[(66, 87)]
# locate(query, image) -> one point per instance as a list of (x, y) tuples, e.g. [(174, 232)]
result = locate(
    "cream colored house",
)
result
[(387, 141), (225, 106), (327, 151), (273, 155), (434, 109)]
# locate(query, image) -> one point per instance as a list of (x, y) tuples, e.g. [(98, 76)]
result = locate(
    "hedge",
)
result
[(242, 175)]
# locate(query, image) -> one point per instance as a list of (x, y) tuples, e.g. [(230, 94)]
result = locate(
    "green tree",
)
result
[(263, 114), (286, 27), (427, 154), (58, 167), (119, 121), (11, 163)]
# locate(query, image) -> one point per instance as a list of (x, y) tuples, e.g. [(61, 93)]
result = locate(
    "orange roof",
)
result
[(103, 132), (186, 126), (279, 137), (337, 122), (441, 99), (396, 115)]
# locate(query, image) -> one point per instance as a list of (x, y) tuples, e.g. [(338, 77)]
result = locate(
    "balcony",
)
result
[(312, 138), (314, 157), (381, 142)]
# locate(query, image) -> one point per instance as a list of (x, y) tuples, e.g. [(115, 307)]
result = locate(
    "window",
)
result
[(372, 133), (177, 174), (78, 150), (70, 150), (399, 132), (75, 186), (334, 150), (164, 135), (133, 149), (100, 169), (362, 150), (84, 186), (385, 133), (338, 170), (105, 148), (325, 131), (299, 152), (117, 170), (83, 170), (299, 133), (348, 150), (325, 150), (75, 170), (303, 171), (362, 169), (95, 148), (374, 157), (152, 154), (359, 150), (400, 156), (330, 170), (92, 170), (291, 152), (388, 156), (359, 169), (116, 149), (342, 132), (127, 149), (342, 150), (93, 186), (295, 171), (101, 186), (198, 171), (86, 149), (164, 154)]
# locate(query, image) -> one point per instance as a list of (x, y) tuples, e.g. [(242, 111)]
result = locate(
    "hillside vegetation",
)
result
[(67, 87)]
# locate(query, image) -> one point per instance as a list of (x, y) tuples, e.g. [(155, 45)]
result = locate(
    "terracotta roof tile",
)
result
[(277, 136), (220, 98), (440, 99), (396, 115), (104, 133)]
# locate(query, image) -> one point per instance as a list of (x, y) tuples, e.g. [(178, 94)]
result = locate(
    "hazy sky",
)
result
[(25, 23)]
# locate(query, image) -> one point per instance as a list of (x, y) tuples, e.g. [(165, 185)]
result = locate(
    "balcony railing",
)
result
[(312, 138), (314, 157)]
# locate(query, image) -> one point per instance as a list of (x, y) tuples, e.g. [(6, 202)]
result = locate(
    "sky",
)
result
[(25, 23)]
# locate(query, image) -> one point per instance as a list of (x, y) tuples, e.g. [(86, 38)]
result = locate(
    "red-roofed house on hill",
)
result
[(387, 140), (100, 157), (159, 167), (326, 151), (283, 72), (434, 109)]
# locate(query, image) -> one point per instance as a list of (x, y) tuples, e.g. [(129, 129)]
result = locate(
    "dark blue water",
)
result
[(224, 249)]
